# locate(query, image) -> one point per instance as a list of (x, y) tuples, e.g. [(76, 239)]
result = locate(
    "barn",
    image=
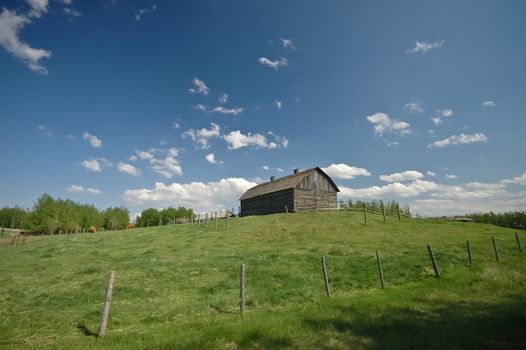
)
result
[(310, 189)]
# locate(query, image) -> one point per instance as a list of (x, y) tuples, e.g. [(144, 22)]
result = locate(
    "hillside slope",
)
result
[(178, 286)]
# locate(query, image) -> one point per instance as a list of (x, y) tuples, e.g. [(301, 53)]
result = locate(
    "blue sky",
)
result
[(157, 103)]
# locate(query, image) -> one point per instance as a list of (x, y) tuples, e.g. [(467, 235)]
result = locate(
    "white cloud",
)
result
[(38, 7), (202, 136), (430, 173), (11, 24), (199, 87), (142, 12), (200, 107), (436, 120), (163, 142), (281, 62), (488, 103), (93, 140), (391, 144), (223, 98), (211, 158), (200, 196), (424, 46), (128, 169), (168, 166), (234, 111), (96, 164), (278, 104), (384, 124), (72, 12), (236, 140), (80, 189), (144, 155), (287, 43), (71, 137), (266, 167), (408, 175), (458, 140), (344, 171), (414, 107), (177, 125), (133, 158), (45, 130), (449, 176), (445, 112), (521, 180)]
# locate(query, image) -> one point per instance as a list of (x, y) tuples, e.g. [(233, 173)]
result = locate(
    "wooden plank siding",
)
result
[(307, 190), (269, 203)]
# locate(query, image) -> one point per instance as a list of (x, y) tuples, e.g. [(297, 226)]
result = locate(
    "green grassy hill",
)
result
[(178, 286)]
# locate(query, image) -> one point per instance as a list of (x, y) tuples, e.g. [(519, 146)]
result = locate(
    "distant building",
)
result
[(310, 189)]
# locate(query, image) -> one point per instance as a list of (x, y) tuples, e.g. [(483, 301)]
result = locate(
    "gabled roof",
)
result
[(283, 183)]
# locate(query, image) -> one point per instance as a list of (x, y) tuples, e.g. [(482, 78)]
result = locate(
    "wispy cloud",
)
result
[(488, 103), (45, 130), (344, 171), (96, 164), (414, 107), (451, 177), (436, 120), (445, 112), (287, 43), (199, 87), (202, 136), (408, 175), (200, 107), (276, 65), (234, 111), (128, 169), (11, 24), (268, 168), (223, 98), (430, 173), (93, 140), (278, 103), (211, 158), (424, 46), (81, 189), (142, 12), (384, 124), (236, 140), (459, 140)]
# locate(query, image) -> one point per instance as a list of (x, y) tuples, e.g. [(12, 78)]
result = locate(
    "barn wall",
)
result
[(309, 183), (268, 203), (307, 200)]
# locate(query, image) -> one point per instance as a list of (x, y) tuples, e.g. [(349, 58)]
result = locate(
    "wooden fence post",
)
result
[(325, 276), (380, 270), (433, 261), (470, 257), (242, 289), (107, 302), (495, 249), (365, 213), (398, 210), (215, 215), (286, 209), (226, 225), (383, 210), (518, 242)]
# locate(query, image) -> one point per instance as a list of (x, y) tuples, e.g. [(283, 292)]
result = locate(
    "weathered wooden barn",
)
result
[(310, 189)]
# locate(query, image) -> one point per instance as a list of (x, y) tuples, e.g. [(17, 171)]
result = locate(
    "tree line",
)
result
[(511, 219), (155, 217), (52, 216)]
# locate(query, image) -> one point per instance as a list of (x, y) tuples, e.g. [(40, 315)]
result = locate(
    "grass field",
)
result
[(178, 286)]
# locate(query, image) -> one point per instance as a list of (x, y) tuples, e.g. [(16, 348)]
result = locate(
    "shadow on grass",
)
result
[(85, 330), (451, 325), (258, 340)]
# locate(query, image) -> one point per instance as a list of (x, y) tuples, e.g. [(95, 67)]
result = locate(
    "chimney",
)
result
[(272, 178), (296, 170)]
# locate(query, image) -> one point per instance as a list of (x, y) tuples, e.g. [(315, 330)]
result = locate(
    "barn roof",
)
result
[(283, 183)]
